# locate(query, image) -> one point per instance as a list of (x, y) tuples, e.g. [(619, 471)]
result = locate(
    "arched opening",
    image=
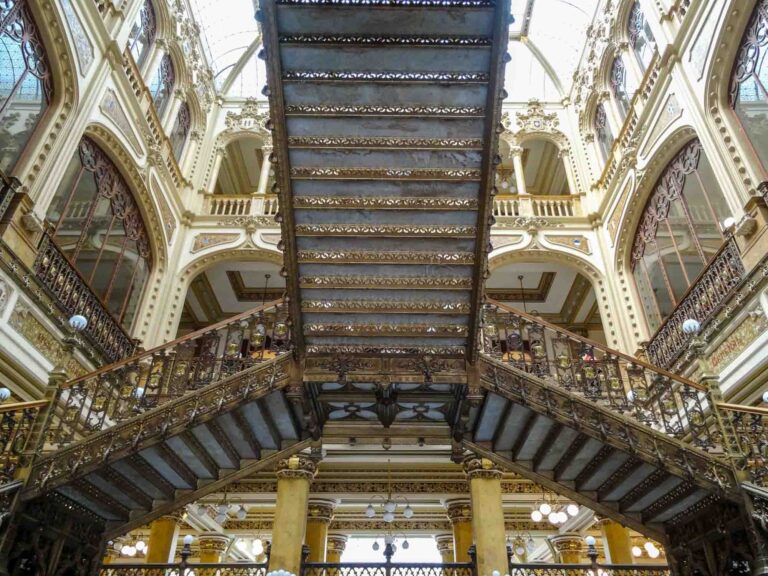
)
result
[(143, 33), (553, 291), (229, 288), (26, 85), (241, 167), (162, 85), (640, 36), (543, 170)]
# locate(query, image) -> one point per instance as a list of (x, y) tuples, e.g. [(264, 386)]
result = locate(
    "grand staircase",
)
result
[(385, 116)]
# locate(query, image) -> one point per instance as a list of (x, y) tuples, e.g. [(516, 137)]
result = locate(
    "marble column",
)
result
[(212, 546), (163, 534), (487, 514), (334, 548), (294, 475), (618, 542), (460, 515), (319, 516), (445, 547), (517, 164), (570, 547)]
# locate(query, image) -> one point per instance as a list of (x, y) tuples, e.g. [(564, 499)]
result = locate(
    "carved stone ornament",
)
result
[(296, 467), (213, 542), (444, 543), (477, 467), (536, 119), (249, 118), (320, 510), (459, 511), (336, 543)]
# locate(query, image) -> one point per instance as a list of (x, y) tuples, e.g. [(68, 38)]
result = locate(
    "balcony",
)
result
[(240, 205), (515, 206)]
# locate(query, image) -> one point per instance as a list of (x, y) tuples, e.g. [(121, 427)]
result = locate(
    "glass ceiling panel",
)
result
[(226, 31), (526, 78)]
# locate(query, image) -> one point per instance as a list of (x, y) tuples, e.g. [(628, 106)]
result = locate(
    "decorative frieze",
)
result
[(451, 174), (382, 110), (385, 203), (403, 282), (385, 257), (209, 240), (372, 76)]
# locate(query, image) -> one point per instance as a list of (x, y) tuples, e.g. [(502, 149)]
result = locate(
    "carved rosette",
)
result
[(476, 467), (444, 543), (336, 543), (296, 467), (212, 542), (459, 510), (321, 510)]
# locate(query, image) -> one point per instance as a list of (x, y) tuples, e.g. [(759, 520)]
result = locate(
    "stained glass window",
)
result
[(619, 85), (143, 33), (98, 226), (679, 232), (161, 87), (640, 36), (25, 80), (603, 131), (180, 130), (749, 82)]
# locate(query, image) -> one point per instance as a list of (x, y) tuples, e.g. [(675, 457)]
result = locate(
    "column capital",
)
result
[(477, 467), (212, 542), (516, 151), (321, 510), (444, 543), (337, 543), (297, 466), (568, 544), (459, 510)]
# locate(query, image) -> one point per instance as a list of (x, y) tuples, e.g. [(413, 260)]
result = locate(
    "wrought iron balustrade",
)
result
[(387, 569), (587, 570), (75, 296), (645, 393), (131, 387), (16, 423), (189, 569), (749, 425), (704, 299)]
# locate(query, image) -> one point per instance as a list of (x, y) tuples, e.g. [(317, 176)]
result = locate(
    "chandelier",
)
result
[(649, 548), (222, 510), (555, 513), (390, 544), (522, 543), (388, 504)]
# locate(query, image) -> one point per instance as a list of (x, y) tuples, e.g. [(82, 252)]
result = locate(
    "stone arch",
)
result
[(59, 116), (730, 137)]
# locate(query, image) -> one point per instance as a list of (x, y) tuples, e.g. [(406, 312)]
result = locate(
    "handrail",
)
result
[(22, 405), (592, 343), (747, 409), (177, 341), (537, 569)]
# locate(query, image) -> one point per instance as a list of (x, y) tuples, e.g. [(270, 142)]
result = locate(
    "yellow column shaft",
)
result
[(210, 557), (487, 515), (161, 547), (333, 556), (317, 535), (462, 540), (618, 542)]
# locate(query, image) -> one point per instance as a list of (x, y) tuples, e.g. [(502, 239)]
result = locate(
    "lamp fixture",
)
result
[(521, 544), (551, 509), (388, 504), (649, 548)]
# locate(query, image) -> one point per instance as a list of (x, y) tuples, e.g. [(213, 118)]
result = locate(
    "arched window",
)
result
[(180, 130), (619, 85), (96, 223), (25, 80), (640, 36), (749, 82), (603, 131), (143, 33), (162, 85), (679, 232)]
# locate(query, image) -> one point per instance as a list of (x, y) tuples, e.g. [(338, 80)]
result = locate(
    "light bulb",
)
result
[(370, 512), (408, 512), (563, 517), (202, 509), (222, 508), (389, 517), (654, 553), (572, 509), (124, 549), (590, 540), (141, 546), (405, 545), (117, 546), (389, 539), (537, 516), (5, 393), (138, 393), (390, 506), (221, 518), (78, 322), (545, 508), (637, 551), (375, 546), (242, 513), (648, 546), (258, 547), (554, 518), (131, 551), (188, 540), (520, 550), (242, 545), (531, 545)]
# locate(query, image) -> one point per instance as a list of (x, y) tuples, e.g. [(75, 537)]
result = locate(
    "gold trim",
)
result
[(389, 306), (462, 174), (394, 230), (382, 350), (428, 330), (384, 142), (385, 257), (385, 203), (388, 282)]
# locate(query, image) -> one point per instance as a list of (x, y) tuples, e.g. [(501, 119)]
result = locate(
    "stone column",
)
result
[(266, 166), (212, 546), (334, 548), (460, 515), (319, 515), (487, 515), (517, 164), (163, 534), (617, 541), (569, 547), (445, 547), (294, 475)]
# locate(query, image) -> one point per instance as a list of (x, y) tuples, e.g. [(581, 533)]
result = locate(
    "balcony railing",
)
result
[(16, 423), (388, 569), (649, 395), (75, 296), (704, 299), (587, 570), (240, 205), (189, 569), (513, 206), (749, 425)]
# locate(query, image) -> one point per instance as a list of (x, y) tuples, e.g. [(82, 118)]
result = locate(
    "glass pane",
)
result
[(707, 206), (139, 280), (71, 226), (672, 264), (656, 277), (93, 236), (123, 276), (647, 298), (161, 87), (59, 201), (143, 33)]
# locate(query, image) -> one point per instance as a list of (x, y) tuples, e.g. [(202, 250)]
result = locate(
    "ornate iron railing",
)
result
[(587, 570), (387, 569), (749, 425), (16, 423), (704, 299), (136, 385), (190, 569), (73, 294), (653, 397)]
